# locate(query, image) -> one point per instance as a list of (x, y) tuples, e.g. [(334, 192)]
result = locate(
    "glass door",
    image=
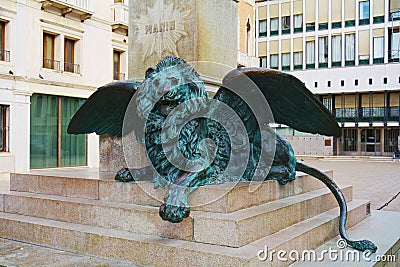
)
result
[(371, 142)]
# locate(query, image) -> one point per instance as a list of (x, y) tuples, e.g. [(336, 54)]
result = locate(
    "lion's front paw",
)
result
[(124, 175), (173, 213)]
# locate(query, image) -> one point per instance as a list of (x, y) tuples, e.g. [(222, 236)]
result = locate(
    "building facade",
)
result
[(53, 55), (346, 52)]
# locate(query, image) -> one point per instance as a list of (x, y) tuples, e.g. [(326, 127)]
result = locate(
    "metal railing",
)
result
[(119, 76), (71, 67), (4, 55), (49, 63)]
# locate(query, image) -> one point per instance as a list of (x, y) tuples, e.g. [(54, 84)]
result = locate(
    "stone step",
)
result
[(247, 225), (243, 226), (382, 227), (156, 251), (214, 198), (122, 216)]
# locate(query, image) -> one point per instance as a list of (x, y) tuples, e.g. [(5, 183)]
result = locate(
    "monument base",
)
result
[(85, 211)]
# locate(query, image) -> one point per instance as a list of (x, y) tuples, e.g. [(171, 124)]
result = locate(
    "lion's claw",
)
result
[(174, 214)]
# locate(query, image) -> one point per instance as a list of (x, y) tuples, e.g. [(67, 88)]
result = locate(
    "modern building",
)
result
[(53, 55), (346, 52)]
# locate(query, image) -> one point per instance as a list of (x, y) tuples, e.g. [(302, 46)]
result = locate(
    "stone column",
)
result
[(194, 30)]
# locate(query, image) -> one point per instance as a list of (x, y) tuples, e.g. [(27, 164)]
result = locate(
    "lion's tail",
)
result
[(359, 244)]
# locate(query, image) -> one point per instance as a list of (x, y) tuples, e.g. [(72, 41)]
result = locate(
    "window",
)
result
[(336, 50), (4, 128), (298, 60), (69, 55), (394, 48), (274, 26), (298, 23), (316, 84), (327, 101), (329, 83), (378, 49), (356, 82), (370, 81), (286, 61), (117, 66), (385, 80), (394, 10), (310, 26), (48, 52), (310, 54), (323, 52), (350, 49), (262, 29), (286, 25), (350, 139), (4, 55), (342, 83), (364, 12), (263, 62), (50, 144), (274, 61)]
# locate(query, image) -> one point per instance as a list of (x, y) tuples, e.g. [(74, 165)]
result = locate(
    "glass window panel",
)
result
[(43, 131), (336, 48), (323, 50), (263, 27), (2, 34), (286, 60), (274, 61), (298, 21), (274, 24), (73, 147), (310, 50), (350, 47), (395, 45), (298, 58), (263, 62), (364, 10), (378, 47)]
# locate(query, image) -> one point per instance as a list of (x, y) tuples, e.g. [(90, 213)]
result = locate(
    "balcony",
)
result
[(120, 20), (81, 9), (4, 55), (73, 68), (49, 63), (246, 60)]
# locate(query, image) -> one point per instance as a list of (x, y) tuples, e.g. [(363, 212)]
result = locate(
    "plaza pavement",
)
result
[(376, 179)]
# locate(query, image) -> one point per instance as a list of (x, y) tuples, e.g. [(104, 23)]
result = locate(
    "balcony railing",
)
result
[(51, 64), (375, 114), (70, 67), (120, 13), (81, 8), (5, 55), (119, 76)]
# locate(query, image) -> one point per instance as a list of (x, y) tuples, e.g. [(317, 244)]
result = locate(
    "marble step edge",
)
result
[(143, 193), (156, 251), (199, 226)]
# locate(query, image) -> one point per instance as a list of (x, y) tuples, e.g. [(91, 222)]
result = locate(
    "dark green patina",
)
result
[(290, 101)]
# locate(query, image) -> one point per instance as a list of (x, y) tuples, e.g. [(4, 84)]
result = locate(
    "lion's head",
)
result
[(172, 82)]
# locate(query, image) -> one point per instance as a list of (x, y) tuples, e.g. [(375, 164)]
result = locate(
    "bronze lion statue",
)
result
[(193, 140)]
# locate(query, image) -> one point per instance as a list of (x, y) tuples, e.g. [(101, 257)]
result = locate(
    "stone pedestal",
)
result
[(195, 30), (115, 156)]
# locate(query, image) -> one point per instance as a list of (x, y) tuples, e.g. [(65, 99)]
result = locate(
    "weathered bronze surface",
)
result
[(174, 132)]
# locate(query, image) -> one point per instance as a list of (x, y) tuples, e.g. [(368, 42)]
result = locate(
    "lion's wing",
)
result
[(104, 111), (290, 101)]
